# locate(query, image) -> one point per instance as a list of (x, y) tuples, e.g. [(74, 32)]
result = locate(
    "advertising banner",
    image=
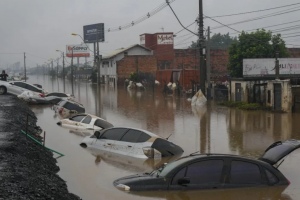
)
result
[(266, 67), (165, 39), (79, 50), (93, 32)]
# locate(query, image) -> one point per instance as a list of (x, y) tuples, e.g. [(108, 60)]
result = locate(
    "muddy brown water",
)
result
[(208, 129)]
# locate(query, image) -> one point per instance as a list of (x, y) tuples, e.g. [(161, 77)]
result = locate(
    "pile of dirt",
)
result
[(27, 169)]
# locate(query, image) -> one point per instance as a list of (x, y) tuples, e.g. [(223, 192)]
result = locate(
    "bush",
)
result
[(94, 76), (243, 105)]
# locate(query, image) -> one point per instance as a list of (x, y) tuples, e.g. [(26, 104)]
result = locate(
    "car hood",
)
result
[(129, 180), (279, 150)]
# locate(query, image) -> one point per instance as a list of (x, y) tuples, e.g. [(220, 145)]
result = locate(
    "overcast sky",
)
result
[(39, 27)]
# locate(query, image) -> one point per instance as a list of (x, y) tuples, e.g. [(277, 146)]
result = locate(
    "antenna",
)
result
[(169, 136)]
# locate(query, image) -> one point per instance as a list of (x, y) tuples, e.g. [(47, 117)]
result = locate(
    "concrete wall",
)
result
[(286, 94), (244, 91)]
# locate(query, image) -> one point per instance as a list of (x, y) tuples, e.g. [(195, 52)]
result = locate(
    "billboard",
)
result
[(79, 50), (165, 39), (266, 67), (93, 32)]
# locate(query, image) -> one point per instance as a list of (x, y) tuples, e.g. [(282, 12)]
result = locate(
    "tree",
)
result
[(217, 41), (258, 44)]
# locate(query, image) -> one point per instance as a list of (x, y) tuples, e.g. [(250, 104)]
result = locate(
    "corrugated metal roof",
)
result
[(121, 50)]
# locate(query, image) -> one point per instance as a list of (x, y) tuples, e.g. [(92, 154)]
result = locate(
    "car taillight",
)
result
[(41, 95), (60, 110), (151, 152), (288, 181)]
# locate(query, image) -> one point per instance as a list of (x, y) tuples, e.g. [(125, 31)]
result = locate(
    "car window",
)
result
[(20, 84), (31, 88), (62, 103), (57, 95), (244, 172), (272, 178), (103, 124), (114, 134), (209, 171), (87, 120), (71, 106), (178, 176), (131, 136), (143, 137), (77, 118)]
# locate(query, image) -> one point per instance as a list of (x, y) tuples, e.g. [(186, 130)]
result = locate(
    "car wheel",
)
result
[(2, 90)]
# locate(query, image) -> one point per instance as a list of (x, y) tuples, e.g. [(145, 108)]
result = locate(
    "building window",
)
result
[(111, 63), (125, 53), (269, 96)]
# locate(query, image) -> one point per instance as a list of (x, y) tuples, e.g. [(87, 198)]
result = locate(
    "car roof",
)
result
[(149, 133), (93, 116)]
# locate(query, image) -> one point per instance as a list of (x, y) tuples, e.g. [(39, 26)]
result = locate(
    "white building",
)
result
[(108, 66)]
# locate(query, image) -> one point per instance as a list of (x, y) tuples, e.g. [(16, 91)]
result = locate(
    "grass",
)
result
[(243, 105)]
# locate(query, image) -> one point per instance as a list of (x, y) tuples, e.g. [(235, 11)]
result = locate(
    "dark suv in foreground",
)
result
[(214, 171)]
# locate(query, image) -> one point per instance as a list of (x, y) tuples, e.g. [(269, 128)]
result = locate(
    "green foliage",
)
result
[(243, 105), (258, 44), (52, 73), (133, 77), (217, 41)]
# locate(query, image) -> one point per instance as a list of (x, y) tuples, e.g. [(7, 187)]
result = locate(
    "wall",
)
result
[(129, 64), (244, 92), (286, 94), (112, 69)]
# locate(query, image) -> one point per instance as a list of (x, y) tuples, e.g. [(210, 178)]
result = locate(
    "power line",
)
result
[(179, 20), (255, 11), (141, 19)]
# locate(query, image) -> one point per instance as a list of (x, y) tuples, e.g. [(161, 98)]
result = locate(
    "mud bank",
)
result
[(27, 170)]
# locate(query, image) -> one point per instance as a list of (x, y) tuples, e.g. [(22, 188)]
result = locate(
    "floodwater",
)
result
[(208, 129)]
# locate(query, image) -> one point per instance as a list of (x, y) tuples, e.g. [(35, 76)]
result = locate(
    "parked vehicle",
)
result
[(18, 87), (33, 97), (62, 95), (212, 171), (85, 122), (68, 107), (132, 142)]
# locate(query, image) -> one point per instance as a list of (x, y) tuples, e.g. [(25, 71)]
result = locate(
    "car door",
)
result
[(108, 138), (32, 88), (86, 123), (127, 143), (74, 122), (18, 88), (244, 174), (205, 174), (140, 143)]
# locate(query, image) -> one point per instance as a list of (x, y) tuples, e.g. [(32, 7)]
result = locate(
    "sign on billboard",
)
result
[(165, 39), (266, 67), (79, 50), (93, 32)]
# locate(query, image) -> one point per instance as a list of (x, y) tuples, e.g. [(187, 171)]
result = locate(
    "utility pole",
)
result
[(57, 67), (277, 62), (98, 57), (86, 69), (63, 72), (208, 95), (52, 66), (72, 73), (201, 63), (25, 66)]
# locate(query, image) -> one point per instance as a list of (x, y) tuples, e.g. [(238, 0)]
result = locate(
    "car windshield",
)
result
[(167, 167)]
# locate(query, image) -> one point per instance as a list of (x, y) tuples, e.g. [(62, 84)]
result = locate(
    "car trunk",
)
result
[(279, 150)]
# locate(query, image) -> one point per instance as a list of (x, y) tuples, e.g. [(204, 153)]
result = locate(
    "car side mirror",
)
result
[(184, 181), (97, 134)]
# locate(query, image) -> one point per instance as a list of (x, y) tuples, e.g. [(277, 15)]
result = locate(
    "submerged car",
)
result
[(132, 142), (18, 87), (214, 171), (61, 95), (85, 122), (68, 107), (38, 98)]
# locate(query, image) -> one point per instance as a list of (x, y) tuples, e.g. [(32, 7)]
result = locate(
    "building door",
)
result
[(277, 96), (238, 93)]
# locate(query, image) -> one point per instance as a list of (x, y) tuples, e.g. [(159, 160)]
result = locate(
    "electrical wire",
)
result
[(255, 11), (179, 20)]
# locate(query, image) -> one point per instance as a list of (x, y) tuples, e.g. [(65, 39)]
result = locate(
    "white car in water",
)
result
[(131, 142), (85, 122), (18, 87)]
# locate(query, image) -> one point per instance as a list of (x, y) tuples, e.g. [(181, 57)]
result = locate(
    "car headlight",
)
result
[(123, 187)]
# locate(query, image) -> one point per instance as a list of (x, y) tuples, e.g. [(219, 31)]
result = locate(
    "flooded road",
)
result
[(208, 129)]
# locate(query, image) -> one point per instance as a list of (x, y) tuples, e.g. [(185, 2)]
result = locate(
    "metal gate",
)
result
[(238, 93), (277, 96)]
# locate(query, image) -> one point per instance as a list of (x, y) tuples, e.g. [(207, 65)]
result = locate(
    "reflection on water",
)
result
[(208, 129)]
